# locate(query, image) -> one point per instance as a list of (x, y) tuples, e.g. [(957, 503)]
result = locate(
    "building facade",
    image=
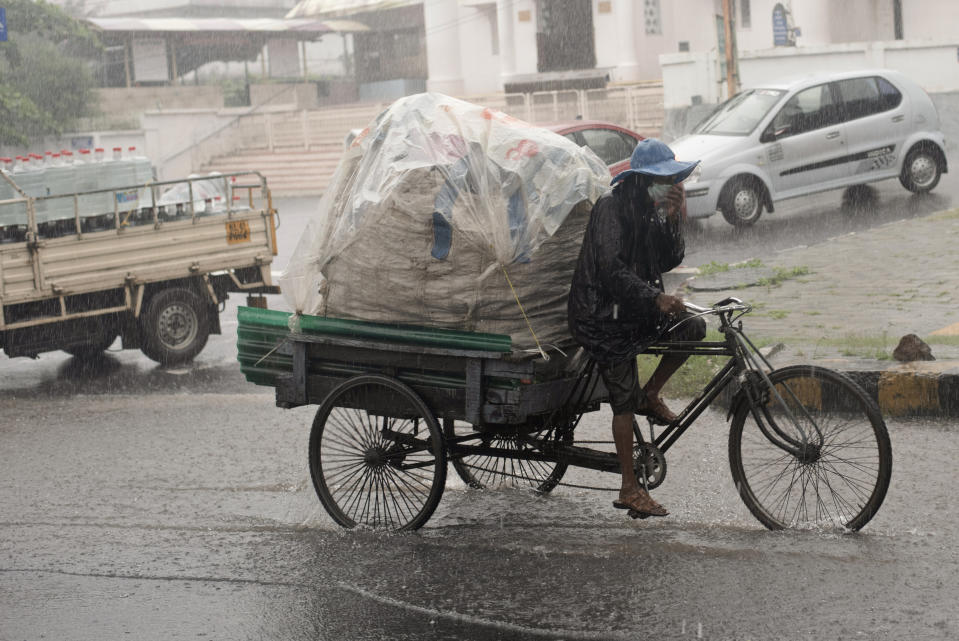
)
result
[(477, 46)]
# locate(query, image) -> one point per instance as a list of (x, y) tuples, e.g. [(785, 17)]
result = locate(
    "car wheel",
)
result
[(921, 171), (742, 202)]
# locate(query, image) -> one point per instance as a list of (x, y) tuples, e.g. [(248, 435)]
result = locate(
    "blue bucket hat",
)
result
[(653, 157)]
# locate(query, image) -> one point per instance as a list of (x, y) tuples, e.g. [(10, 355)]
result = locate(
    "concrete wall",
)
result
[(524, 36), (170, 135), (478, 41), (123, 102), (303, 94), (933, 65)]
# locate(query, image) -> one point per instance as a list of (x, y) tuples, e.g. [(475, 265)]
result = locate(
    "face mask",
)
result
[(658, 191)]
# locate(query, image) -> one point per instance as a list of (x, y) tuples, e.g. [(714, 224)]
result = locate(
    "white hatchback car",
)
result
[(822, 132)]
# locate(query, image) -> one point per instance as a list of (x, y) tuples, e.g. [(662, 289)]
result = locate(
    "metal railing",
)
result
[(637, 107)]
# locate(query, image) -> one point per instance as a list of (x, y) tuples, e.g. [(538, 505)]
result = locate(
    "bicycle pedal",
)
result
[(633, 514)]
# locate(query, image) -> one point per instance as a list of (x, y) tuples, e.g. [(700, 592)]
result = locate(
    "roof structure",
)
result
[(308, 8), (308, 27), (192, 42)]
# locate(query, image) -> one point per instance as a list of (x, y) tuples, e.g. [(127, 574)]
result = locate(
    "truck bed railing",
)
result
[(152, 203)]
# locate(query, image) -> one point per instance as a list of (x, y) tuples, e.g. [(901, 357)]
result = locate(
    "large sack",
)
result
[(434, 209)]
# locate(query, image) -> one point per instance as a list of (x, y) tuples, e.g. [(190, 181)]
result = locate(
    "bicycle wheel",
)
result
[(482, 471), (839, 479), (377, 456)]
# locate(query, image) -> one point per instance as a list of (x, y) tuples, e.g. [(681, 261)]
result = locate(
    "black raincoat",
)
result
[(627, 248)]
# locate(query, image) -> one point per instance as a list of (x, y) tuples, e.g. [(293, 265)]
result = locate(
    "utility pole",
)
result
[(730, 48)]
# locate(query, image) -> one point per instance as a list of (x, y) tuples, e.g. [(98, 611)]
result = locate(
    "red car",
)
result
[(612, 143)]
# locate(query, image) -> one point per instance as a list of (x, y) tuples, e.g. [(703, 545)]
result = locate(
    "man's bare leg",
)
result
[(667, 366), (630, 492)]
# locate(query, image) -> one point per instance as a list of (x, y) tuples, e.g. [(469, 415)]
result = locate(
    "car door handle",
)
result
[(898, 118), (832, 134)]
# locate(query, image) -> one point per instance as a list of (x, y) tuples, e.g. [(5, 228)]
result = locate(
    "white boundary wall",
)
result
[(934, 65)]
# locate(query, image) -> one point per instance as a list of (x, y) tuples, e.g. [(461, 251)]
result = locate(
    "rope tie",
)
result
[(525, 317)]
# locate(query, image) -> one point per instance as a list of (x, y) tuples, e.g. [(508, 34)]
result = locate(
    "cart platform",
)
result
[(469, 376)]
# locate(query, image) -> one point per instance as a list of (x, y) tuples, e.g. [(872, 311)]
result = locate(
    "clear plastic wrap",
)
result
[(439, 212)]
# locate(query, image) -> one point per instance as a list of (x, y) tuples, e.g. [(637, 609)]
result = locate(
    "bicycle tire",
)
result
[(487, 472), (843, 482), (376, 469)]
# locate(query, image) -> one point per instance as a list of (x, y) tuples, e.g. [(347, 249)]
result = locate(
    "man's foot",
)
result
[(640, 502), (657, 411)]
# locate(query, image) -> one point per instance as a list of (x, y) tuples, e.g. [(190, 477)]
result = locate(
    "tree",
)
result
[(45, 81)]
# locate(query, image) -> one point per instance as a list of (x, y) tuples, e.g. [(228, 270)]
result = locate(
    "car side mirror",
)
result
[(771, 135)]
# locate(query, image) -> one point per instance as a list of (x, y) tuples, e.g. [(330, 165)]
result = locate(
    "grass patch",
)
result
[(952, 341), (695, 373), (691, 377), (713, 267), (782, 274), (861, 346), (777, 314), (689, 380), (945, 215)]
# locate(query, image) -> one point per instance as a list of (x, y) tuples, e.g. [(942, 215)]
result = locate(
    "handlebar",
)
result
[(724, 306), (724, 309)]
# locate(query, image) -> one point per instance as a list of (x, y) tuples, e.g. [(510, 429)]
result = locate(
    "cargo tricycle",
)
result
[(807, 446)]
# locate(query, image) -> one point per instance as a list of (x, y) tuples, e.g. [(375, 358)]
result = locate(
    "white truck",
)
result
[(151, 263)]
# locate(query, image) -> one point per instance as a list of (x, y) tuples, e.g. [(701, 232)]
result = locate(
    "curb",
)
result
[(905, 394), (911, 390)]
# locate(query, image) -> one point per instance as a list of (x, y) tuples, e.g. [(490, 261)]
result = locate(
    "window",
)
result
[(653, 18), (739, 115), (889, 96), (745, 17), (808, 110), (863, 97), (611, 146)]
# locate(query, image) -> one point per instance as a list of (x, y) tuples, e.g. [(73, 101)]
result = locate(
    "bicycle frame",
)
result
[(745, 363), (744, 360)]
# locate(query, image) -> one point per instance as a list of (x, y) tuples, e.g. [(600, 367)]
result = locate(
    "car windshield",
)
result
[(739, 115)]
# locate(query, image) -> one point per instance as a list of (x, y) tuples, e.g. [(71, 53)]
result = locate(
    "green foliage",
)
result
[(45, 83), (713, 267), (782, 274), (50, 23), (19, 114)]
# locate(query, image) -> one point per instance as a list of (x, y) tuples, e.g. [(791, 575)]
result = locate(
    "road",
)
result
[(151, 503), (166, 514)]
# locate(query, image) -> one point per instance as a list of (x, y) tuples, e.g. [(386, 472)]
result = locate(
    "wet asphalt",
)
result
[(164, 515), (153, 503)]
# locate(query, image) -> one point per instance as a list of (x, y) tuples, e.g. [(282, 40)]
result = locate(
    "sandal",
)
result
[(640, 506), (656, 411)]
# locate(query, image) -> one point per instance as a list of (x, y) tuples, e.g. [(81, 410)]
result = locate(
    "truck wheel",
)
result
[(174, 326)]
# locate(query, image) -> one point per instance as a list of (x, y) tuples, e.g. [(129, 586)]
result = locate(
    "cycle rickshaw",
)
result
[(807, 446)]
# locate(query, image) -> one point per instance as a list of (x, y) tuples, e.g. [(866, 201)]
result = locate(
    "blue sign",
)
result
[(3, 24), (780, 27)]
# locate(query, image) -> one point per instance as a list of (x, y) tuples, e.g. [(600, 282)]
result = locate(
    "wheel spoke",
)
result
[(842, 476), (513, 471), (359, 454)]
